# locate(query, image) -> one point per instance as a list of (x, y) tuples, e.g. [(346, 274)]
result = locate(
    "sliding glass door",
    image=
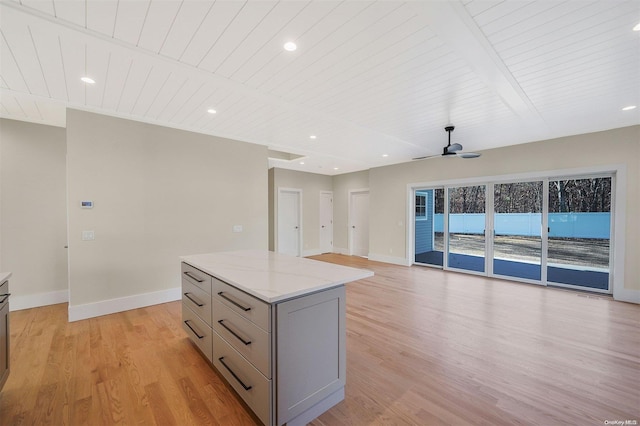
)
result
[(429, 226), (517, 224), (579, 232), (550, 231), (466, 225)]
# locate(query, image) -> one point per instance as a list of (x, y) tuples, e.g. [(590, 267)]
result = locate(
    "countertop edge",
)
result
[(357, 274)]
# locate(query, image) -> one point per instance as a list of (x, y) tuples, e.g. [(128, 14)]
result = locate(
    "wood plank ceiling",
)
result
[(374, 81)]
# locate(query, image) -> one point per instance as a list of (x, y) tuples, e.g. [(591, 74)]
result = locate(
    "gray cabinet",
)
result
[(4, 332), (311, 353), (196, 308), (285, 359)]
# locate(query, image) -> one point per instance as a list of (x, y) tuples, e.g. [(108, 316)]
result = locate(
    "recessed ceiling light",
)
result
[(211, 111), (628, 108), (290, 46), (335, 168), (312, 137), (302, 163), (385, 155), (637, 27), (88, 80)]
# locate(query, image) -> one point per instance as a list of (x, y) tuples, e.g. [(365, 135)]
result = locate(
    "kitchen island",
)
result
[(5, 333), (273, 325)]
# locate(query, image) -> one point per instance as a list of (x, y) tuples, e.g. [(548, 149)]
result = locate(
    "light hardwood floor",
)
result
[(424, 347)]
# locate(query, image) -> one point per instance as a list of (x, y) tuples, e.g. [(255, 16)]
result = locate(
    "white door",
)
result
[(289, 232), (326, 222), (359, 226)]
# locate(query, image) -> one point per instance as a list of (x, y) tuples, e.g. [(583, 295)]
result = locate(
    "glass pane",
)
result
[(429, 228), (517, 219), (466, 228), (579, 232)]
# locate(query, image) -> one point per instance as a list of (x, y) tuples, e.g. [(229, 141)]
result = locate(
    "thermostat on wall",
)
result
[(86, 204)]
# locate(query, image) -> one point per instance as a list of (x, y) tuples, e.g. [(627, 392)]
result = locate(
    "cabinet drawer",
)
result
[(198, 300), (249, 383), (4, 334), (251, 308), (250, 340), (196, 277), (4, 293), (199, 332)]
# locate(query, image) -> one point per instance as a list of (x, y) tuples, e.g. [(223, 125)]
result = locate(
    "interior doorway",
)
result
[(326, 221), (359, 222), (289, 221)]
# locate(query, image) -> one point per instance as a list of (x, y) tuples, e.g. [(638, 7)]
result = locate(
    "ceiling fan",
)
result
[(451, 149)]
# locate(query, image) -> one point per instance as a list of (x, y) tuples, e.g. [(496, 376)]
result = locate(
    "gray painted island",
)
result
[(273, 325), (5, 333)]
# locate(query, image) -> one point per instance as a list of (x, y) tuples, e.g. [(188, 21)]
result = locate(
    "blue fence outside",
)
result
[(562, 225)]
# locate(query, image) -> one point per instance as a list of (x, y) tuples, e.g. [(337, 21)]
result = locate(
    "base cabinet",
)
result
[(286, 360), (4, 333), (311, 353)]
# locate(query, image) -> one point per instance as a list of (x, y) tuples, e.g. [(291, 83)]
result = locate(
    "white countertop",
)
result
[(274, 277), (4, 276)]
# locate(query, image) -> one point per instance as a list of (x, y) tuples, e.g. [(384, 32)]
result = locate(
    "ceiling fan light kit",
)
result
[(452, 149)]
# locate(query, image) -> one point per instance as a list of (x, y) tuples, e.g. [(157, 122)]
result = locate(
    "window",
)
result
[(421, 205)]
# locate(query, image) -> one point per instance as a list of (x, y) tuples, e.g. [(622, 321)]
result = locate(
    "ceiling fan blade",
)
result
[(454, 147), (468, 154), (425, 157)]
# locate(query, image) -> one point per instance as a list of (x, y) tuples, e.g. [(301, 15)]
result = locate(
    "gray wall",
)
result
[(159, 193), (388, 185), (33, 212)]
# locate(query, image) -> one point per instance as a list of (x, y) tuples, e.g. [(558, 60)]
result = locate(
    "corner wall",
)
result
[(158, 193)]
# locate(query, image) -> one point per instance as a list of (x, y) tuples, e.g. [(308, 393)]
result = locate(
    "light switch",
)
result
[(88, 235), (237, 228)]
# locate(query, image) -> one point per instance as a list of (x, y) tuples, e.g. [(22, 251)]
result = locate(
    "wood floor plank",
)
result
[(159, 405), (424, 347)]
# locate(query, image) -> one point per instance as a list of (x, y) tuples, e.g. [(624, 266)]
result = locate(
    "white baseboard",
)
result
[(340, 250), (312, 252), (111, 306), (389, 259), (28, 301)]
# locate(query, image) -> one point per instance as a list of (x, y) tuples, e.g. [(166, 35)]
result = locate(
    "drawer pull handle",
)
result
[(244, 308), (194, 331), (200, 305), (6, 296), (233, 374), (193, 277), (221, 322)]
